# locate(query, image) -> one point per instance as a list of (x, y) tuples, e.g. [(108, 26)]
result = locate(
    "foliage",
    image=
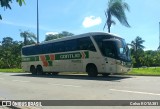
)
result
[(29, 37), (56, 36), (137, 51), (6, 4), (117, 9), (141, 58), (10, 53)]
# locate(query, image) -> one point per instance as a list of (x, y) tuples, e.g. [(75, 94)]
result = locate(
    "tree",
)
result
[(138, 43), (56, 36), (152, 58), (65, 33), (6, 4), (117, 9), (138, 53), (29, 37), (10, 52)]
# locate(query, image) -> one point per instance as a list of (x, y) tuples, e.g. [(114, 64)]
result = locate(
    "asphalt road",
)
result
[(24, 86)]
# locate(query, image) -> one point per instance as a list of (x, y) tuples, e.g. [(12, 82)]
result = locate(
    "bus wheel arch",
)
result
[(39, 70), (91, 69), (33, 70)]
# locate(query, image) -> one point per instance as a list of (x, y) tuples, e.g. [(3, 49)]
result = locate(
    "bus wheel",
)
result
[(33, 70), (40, 70), (92, 70), (105, 74)]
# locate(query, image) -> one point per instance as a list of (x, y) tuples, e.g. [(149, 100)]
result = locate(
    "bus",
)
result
[(94, 53)]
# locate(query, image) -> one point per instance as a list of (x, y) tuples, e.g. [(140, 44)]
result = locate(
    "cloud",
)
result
[(91, 21), (18, 24), (53, 33), (25, 25)]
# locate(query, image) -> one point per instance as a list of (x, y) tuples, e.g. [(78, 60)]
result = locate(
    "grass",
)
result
[(145, 71), (134, 71), (11, 70)]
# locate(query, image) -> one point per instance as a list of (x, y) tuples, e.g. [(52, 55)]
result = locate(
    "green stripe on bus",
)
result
[(28, 59), (65, 56)]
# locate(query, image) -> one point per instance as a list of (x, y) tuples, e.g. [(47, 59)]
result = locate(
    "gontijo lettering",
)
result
[(70, 56)]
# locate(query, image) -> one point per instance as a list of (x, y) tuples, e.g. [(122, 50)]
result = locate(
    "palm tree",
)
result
[(117, 9), (6, 4), (29, 37), (138, 43), (138, 52)]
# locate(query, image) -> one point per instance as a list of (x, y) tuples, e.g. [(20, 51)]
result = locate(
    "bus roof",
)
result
[(75, 37)]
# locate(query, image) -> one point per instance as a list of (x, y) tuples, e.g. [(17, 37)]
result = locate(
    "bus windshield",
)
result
[(123, 50), (116, 48), (113, 47)]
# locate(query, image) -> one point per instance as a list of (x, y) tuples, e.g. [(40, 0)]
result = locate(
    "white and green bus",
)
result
[(94, 53)]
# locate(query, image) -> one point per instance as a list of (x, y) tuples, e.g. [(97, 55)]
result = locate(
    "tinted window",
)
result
[(25, 51), (46, 48), (85, 44), (58, 47), (70, 45), (109, 49), (100, 38)]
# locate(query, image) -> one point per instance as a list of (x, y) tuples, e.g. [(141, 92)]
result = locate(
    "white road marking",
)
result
[(147, 93), (20, 81), (66, 85)]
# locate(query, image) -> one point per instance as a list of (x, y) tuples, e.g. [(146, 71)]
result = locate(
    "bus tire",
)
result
[(39, 70), (33, 70), (105, 74), (91, 69)]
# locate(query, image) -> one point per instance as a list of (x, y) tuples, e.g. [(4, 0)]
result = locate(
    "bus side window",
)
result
[(86, 44), (109, 50), (32, 50), (58, 47), (36, 50), (99, 39), (70, 45), (25, 51), (43, 49)]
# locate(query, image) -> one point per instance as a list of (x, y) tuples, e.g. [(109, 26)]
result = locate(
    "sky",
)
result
[(81, 16)]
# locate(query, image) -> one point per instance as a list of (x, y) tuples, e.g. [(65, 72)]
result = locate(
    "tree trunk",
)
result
[(25, 40), (109, 29), (109, 21)]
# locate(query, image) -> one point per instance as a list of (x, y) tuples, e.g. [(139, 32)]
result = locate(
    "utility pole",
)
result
[(159, 37), (37, 23)]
